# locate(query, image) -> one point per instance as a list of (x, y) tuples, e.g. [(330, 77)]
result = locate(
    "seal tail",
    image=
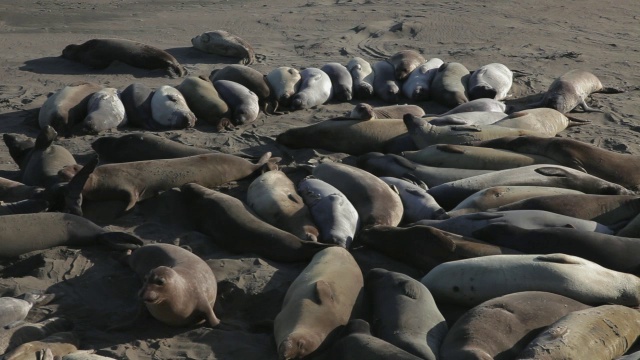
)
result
[(574, 121), (73, 193)]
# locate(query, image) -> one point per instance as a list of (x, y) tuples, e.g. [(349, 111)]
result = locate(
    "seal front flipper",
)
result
[(560, 259), (551, 171), (73, 191), (324, 293), (120, 240)]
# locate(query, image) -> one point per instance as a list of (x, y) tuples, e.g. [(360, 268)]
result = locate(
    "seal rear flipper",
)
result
[(45, 138), (587, 108), (73, 191), (119, 240)]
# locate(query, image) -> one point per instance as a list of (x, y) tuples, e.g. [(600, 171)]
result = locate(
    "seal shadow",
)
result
[(61, 66)]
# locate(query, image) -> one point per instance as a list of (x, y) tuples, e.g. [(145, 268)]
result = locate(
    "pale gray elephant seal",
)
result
[(315, 89), (13, 310), (204, 101), (341, 81), (385, 85), (418, 204), (417, 85), (105, 111), (179, 287), (364, 111), (363, 77), (544, 121), (169, 110), (141, 147), (468, 118), (67, 107), (136, 99), (100, 53), (404, 62), (449, 86), (284, 83), (223, 43), (244, 104), (491, 81)]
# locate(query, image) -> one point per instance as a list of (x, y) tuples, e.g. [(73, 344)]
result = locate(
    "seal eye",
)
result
[(159, 281)]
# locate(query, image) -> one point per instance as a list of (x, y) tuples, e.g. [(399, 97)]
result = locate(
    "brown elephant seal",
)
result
[(12, 191), (232, 225), (492, 81), (105, 111), (204, 101), (67, 107), (250, 78), (622, 169), (100, 53), (600, 333), (375, 201), (363, 77), (365, 111), (341, 81), (141, 147), (315, 89), (404, 62), (319, 300), (545, 121), (425, 247), (405, 313), (416, 86), (244, 104), (223, 43), (284, 83), (136, 99), (179, 287), (385, 85), (273, 197), (169, 110), (58, 344), (479, 333), (16, 336), (449, 86)]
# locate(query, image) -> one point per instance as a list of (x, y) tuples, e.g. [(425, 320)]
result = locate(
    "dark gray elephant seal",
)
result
[(416, 86), (492, 81), (315, 89), (341, 81), (204, 101), (136, 99), (243, 103), (41, 165), (100, 53), (179, 287), (141, 147), (405, 313), (363, 77), (223, 43), (385, 85), (364, 111), (250, 78), (449, 87), (67, 107), (404, 62), (480, 333)]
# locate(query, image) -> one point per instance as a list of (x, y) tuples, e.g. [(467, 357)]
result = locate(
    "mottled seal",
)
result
[(385, 85), (16, 336), (341, 81), (243, 103), (232, 225), (179, 287), (547, 122), (136, 99), (250, 78), (100, 53), (449, 86), (67, 107), (284, 83), (58, 344), (491, 81), (405, 313), (204, 101), (315, 89), (364, 111), (169, 110), (416, 87), (404, 62), (141, 147), (321, 298), (468, 118), (223, 43), (105, 111), (417, 203), (363, 77)]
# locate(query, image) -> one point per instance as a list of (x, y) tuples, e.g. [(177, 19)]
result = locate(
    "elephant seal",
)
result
[(613, 252), (12, 191), (233, 226), (332, 212), (479, 333), (318, 301), (405, 313), (417, 85), (13, 310), (473, 157), (250, 78), (449, 86), (244, 104), (223, 43), (105, 111), (273, 197), (404, 62), (417, 203), (468, 118), (622, 169), (364, 111), (24, 233), (600, 333), (67, 107), (490, 105), (100, 53), (284, 83), (179, 287), (472, 281), (492, 81), (204, 101), (85, 355), (425, 247), (141, 147), (16, 336), (58, 344), (136, 99), (385, 85), (375, 201), (363, 77), (169, 110), (315, 89), (341, 81), (547, 122)]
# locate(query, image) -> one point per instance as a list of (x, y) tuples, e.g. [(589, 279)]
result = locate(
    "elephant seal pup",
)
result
[(364, 111), (341, 81), (179, 287), (105, 111), (479, 333), (385, 85), (24, 233), (363, 77), (204, 101), (318, 301), (375, 201), (58, 344), (250, 78), (243, 103), (67, 107), (169, 110), (416, 87), (449, 86), (222, 43), (600, 333), (404, 62), (141, 147), (16, 336), (622, 169), (405, 313), (425, 247), (315, 89), (490, 105), (473, 157), (547, 122), (41, 165), (234, 227), (332, 212), (273, 197), (136, 99), (284, 83), (491, 81), (100, 53), (354, 137), (12, 191), (468, 118), (417, 203), (472, 281), (613, 252), (13, 310), (451, 194)]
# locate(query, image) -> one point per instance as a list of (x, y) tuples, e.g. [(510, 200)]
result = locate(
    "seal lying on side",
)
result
[(315, 89), (220, 42), (385, 85), (341, 81), (449, 86), (204, 101), (321, 298), (243, 103), (404, 62), (105, 111), (491, 81), (142, 146), (100, 53), (417, 85), (169, 110), (233, 226), (417, 203), (136, 99), (67, 107), (179, 287), (363, 77), (547, 122), (250, 78), (284, 83), (364, 111), (16, 336), (58, 344)]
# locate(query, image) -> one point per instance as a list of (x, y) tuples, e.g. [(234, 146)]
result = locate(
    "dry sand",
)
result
[(539, 40)]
